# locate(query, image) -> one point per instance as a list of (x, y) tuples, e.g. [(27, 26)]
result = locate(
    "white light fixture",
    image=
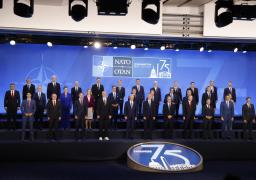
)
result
[(97, 45), (115, 47), (145, 48), (85, 46), (177, 50), (162, 48), (12, 42), (235, 50), (244, 52), (49, 44), (201, 49), (209, 51), (133, 46)]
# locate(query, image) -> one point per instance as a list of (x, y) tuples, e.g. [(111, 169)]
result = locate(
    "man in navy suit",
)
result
[(28, 109), (120, 90), (149, 116), (214, 91), (208, 117), (130, 115), (140, 95), (227, 116), (189, 110), (80, 114), (169, 114), (28, 88), (53, 88), (75, 91), (178, 93), (97, 90), (248, 113), (157, 95), (208, 95), (11, 106), (40, 100), (230, 90), (194, 92), (113, 98)]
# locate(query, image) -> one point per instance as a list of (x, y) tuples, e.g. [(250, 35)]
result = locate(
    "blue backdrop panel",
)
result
[(71, 63)]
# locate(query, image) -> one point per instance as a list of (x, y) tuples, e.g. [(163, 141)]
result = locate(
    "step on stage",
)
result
[(90, 148)]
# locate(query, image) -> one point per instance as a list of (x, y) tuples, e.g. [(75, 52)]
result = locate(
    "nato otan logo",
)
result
[(164, 157)]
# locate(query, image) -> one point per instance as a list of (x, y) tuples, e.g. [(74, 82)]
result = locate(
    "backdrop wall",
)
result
[(72, 63)]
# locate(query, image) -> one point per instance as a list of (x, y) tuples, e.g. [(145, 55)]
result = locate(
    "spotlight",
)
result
[(78, 9), (150, 11), (24, 8), (235, 50), (162, 48), (115, 47), (49, 44), (177, 50), (146, 48), (201, 49), (113, 7), (85, 46), (97, 45), (223, 12), (133, 46), (244, 52), (12, 42), (209, 51)]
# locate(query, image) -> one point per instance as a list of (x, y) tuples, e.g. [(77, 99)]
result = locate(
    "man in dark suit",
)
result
[(54, 115), (194, 92), (149, 116), (248, 113), (97, 90), (227, 116), (120, 90), (208, 116), (230, 90), (40, 100), (169, 114), (53, 88), (214, 91), (28, 88), (178, 94), (113, 99), (103, 115), (189, 110), (75, 91), (208, 95), (11, 106), (157, 95), (140, 95), (130, 115), (80, 114), (173, 96), (28, 109)]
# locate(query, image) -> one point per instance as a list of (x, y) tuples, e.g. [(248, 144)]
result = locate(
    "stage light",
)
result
[(223, 12), (201, 49), (209, 51), (113, 7), (133, 46), (24, 8), (244, 52), (177, 50), (150, 11), (78, 9), (97, 45), (145, 48), (235, 50), (162, 48), (49, 44), (115, 47), (85, 46), (12, 42)]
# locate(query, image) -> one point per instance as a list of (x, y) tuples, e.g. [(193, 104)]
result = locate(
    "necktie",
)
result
[(54, 103), (28, 86), (149, 102), (104, 100), (39, 95), (131, 104), (230, 89), (29, 104), (12, 93), (76, 88), (228, 104), (114, 94), (81, 101), (169, 106), (98, 86), (138, 87)]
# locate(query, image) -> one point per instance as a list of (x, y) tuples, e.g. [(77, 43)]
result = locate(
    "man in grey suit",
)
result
[(28, 109), (227, 116)]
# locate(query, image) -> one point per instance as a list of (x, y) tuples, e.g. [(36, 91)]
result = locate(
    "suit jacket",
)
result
[(80, 109), (75, 94), (130, 112), (205, 97), (174, 98), (12, 103), (195, 94), (121, 93), (157, 96), (227, 112), (90, 103), (248, 112), (208, 111), (140, 94), (53, 89), (178, 94), (103, 110), (149, 111), (112, 100), (168, 111), (97, 92), (189, 110), (233, 93), (214, 93), (26, 90), (53, 112), (40, 102), (28, 108)]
